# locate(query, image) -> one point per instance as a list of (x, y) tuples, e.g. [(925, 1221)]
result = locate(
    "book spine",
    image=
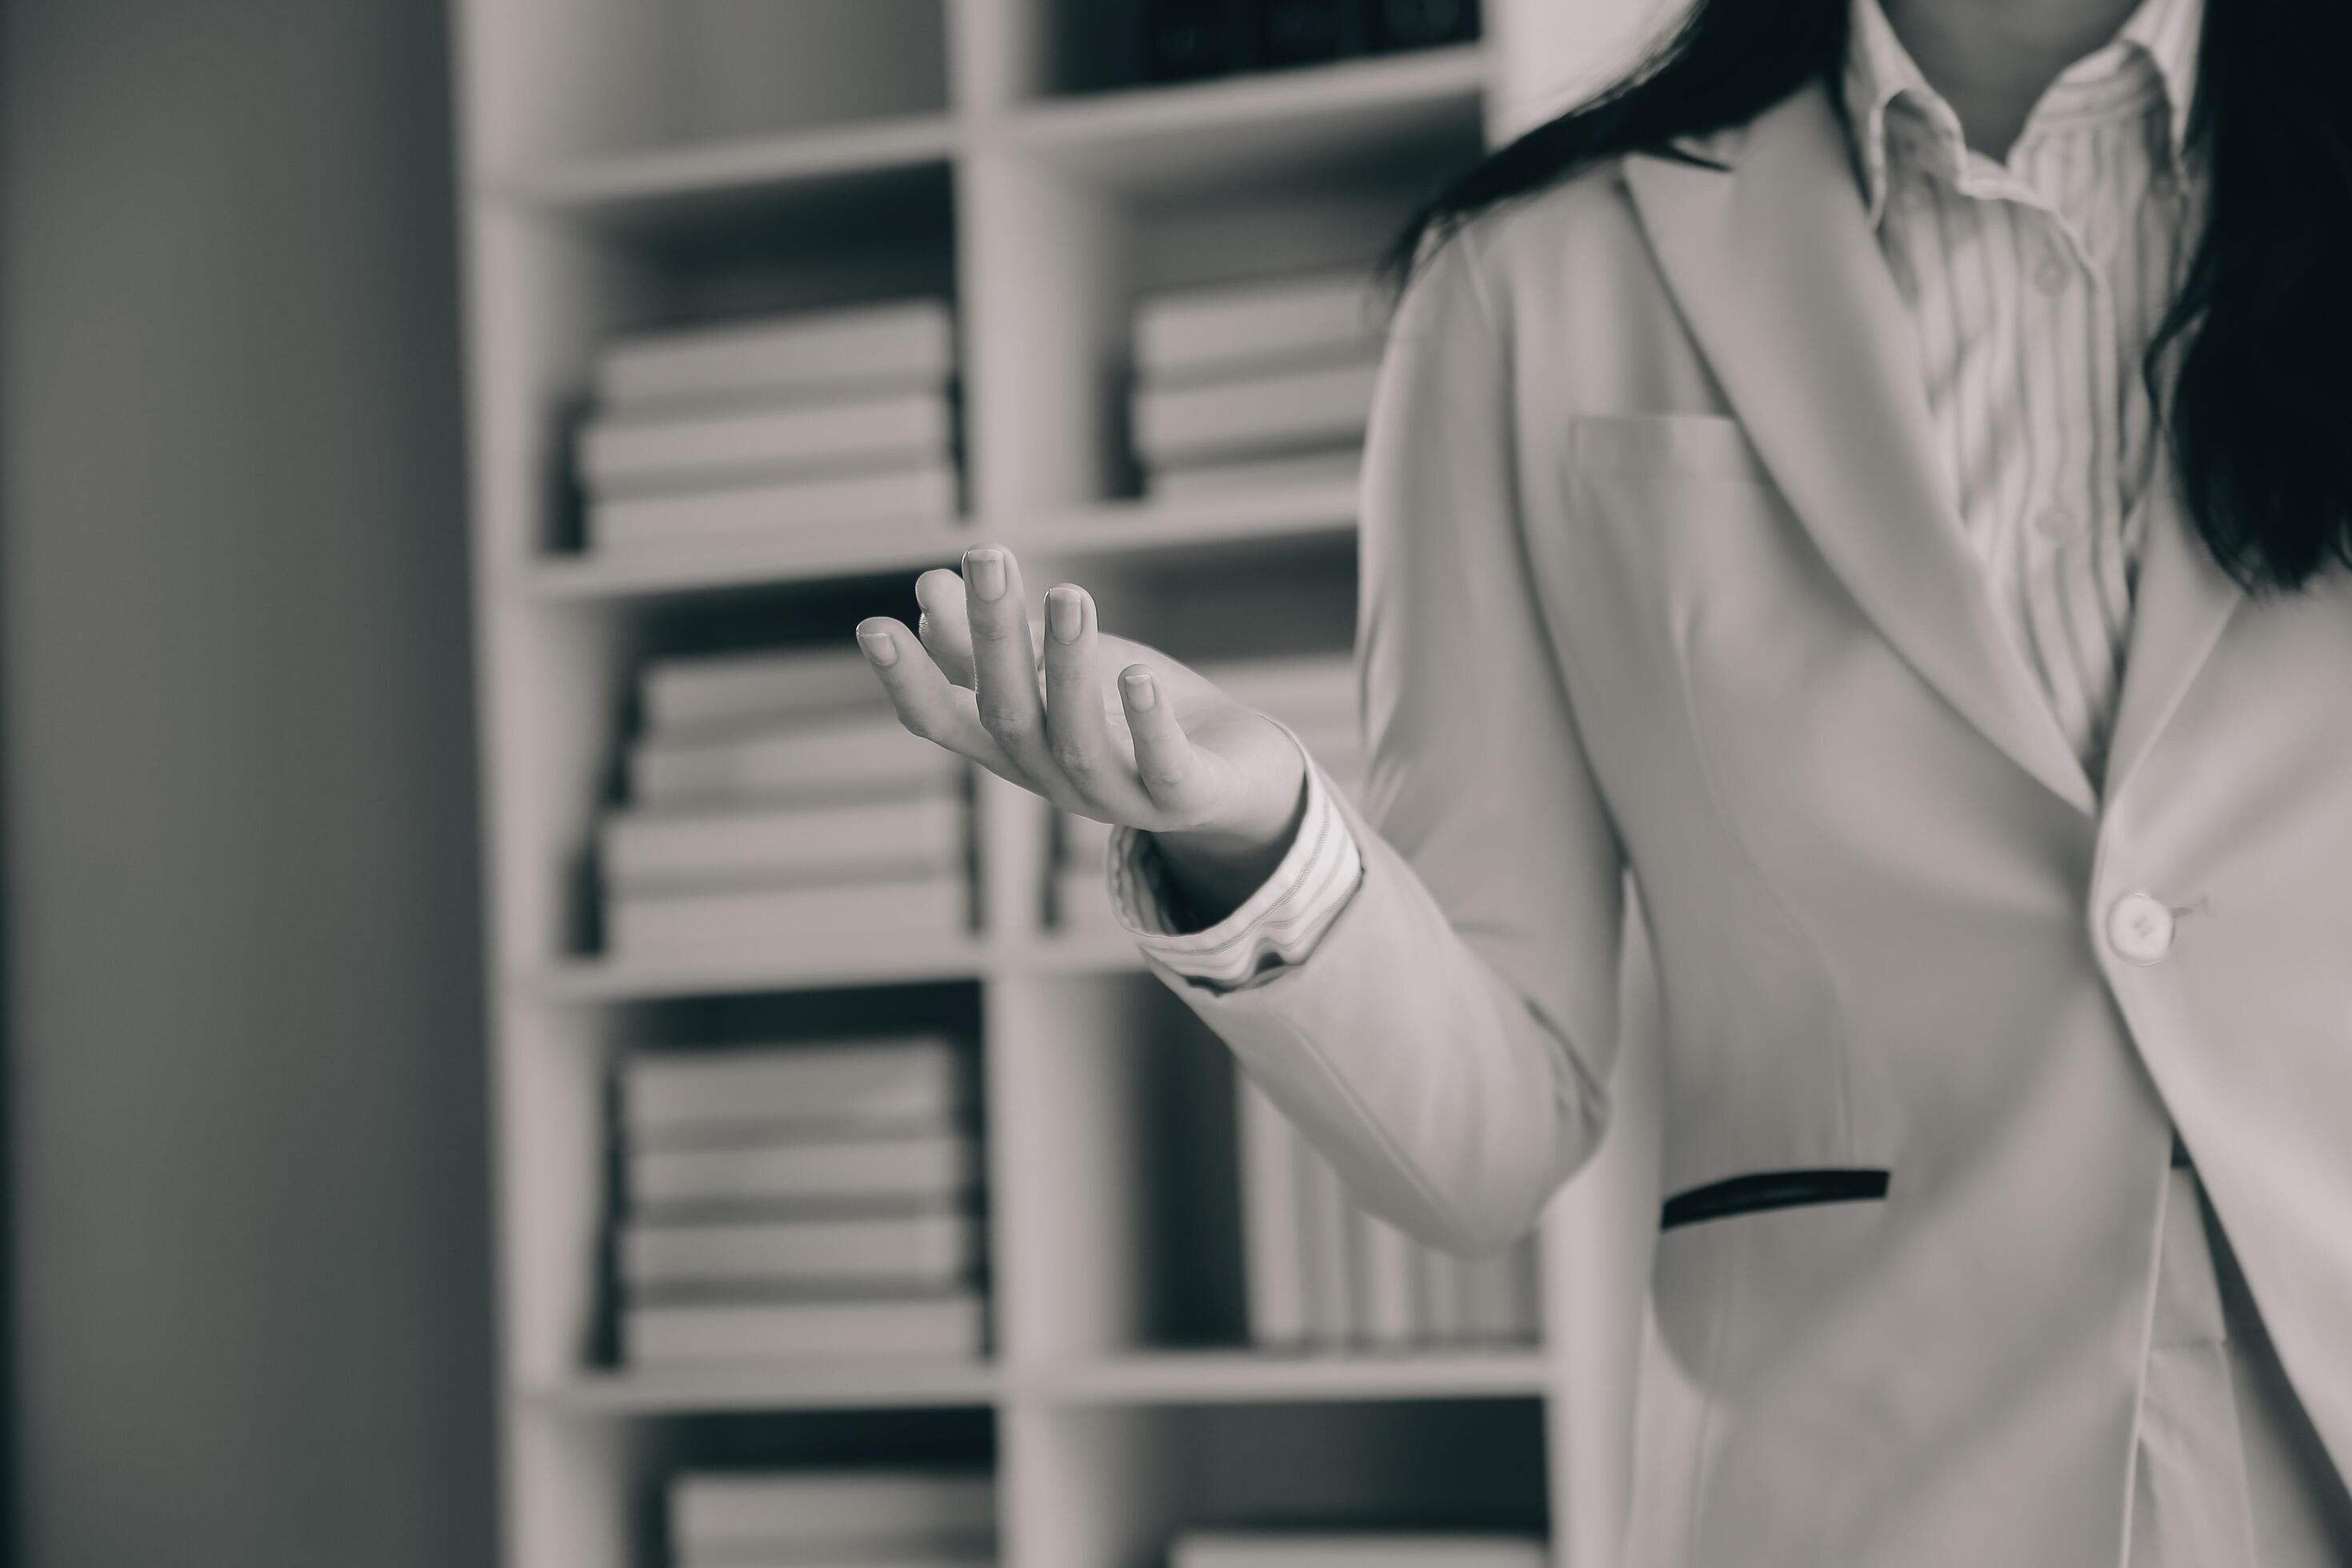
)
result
[(861, 1080), (1330, 1271), (1384, 1260), (901, 343), (1339, 466), (926, 494), (1328, 406), (619, 453), (1438, 1279), (716, 1512), (1273, 1243), (690, 693), (923, 1249), (659, 1335), (769, 920), (645, 851), (1223, 332), (772, 763), (939, 1168)]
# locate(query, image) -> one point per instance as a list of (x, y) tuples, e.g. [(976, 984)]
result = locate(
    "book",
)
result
[(1187, 39), (722, 1511), (1333, 465), (1273, 1237), (656, 850), (926, 492), (824, 757), (638, 453), (1383, 1255), (1497, 1294), (904, 342), (948, 1326), (937, 1166), (1421, 24), (1437, 1280), (1300, 32), (933, 1248), (1269, 323), (688, 691), (748, 923), (1236, 1549), (1289, 410), (903, 1081), (1325, 1250)]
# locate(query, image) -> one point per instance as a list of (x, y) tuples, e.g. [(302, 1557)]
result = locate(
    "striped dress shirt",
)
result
[(2033, 285)]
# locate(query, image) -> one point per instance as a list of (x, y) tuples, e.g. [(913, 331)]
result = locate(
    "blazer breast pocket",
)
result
[(1688, 446)]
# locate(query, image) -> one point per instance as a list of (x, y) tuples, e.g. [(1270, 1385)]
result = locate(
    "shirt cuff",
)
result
[(1275, 927)]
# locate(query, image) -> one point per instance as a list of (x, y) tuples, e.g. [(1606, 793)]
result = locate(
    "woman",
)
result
[(1839, 484)]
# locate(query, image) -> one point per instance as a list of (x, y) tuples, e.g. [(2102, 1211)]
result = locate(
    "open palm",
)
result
[(1102, 726)]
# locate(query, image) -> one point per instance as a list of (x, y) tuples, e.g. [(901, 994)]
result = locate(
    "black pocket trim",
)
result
[(1770, 1190)]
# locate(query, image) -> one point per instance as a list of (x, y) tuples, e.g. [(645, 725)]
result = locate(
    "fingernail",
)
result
[(1065, 616), (984, 570), (878, 645), (1141, 694)]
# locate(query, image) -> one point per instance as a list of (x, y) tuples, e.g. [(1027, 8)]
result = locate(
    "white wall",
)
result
[(250, 1303)]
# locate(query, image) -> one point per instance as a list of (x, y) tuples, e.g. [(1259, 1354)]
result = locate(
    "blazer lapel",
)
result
[(2181, 602), (1784, 286)]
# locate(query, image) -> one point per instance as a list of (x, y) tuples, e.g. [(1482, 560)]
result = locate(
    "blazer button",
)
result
[(2139, 929)]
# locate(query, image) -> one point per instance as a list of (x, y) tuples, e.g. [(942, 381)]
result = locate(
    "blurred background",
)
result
[(510, 1057)]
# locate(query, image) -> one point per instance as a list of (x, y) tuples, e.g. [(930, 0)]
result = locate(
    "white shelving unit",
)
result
[(637, 162)]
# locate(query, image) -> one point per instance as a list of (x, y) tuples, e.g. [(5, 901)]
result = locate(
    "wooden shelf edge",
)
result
[(1138, 113), (1225, 1377), (739, 163), (1143, 1378), (598, 980), (778, 1386)]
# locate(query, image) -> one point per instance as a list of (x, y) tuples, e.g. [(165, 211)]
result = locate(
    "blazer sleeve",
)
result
[(1448, 1042)]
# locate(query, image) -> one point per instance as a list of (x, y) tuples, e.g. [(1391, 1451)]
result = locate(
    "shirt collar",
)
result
[(1878, 70)]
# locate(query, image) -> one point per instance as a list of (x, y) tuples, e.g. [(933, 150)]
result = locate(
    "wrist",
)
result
[(1215, 869)]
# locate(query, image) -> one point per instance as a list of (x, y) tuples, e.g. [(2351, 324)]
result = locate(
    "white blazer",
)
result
[(1660, 587)]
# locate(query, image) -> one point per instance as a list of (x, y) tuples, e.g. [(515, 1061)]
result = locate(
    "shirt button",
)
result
[(2051, 276), (2139, 929), (2053, 522)]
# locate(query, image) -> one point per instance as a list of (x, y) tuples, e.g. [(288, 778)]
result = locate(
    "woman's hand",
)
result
[(1219, 784)]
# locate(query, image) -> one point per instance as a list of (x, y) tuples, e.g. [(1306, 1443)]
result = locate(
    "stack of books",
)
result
[(1261, 385), (807, 1200), (759, 429), (1184, 39), (1315, 694), (776, 801), (875, 1519), (1289, 1549), (1323, 1275)]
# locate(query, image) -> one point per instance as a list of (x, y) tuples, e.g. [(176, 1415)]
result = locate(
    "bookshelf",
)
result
[(628, 164)]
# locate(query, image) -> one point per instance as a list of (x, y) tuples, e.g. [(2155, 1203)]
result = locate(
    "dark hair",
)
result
[(2260, 413)]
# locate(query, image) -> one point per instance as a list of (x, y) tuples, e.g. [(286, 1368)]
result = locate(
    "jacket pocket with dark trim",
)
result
[(1761, 1190)]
